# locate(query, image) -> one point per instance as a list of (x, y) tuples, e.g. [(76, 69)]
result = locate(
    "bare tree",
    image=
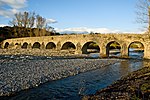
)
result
[(40, 25), (22, 22), (17, 20), (31, 22), (25, 20), (40, 22), (143, 13), (50, 30)]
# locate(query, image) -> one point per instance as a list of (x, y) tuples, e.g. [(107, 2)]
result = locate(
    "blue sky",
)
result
[(78, 15)]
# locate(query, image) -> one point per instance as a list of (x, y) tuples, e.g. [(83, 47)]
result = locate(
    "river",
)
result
[(74, 87)]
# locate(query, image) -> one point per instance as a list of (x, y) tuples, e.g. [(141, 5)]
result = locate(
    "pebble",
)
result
[(23, 72)]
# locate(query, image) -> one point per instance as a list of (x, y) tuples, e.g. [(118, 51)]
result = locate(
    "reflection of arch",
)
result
[(36, 45), (50, 45), (113, 48), (136, 49), (68, 45), (25, 45), (6, 45), (90, 47)]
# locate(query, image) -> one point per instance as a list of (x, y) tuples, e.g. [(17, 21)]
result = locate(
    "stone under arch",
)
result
[(50, 45), (113, 48), (90, 47), (68, 45), (6, 45), (136, 49), (36, 45), (25, 45)]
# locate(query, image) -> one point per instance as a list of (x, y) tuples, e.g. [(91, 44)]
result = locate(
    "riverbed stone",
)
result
[(24, 72)]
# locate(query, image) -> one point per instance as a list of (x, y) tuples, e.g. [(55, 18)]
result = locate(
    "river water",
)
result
[(74, 87)]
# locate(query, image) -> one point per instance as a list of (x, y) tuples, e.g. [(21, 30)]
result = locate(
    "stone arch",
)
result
[(16, 43), (90, 47), (136, 49), (6, 45), (25, 45), (50, 45), (36, 45), (113, 48), (68, 45)]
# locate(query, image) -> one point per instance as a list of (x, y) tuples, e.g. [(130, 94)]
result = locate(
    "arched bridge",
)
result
[(80, 42)]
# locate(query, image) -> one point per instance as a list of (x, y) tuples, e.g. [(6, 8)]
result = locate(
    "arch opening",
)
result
[(50, 45), (68, 45), (36, 45), (113, 49), (90, 47), (25, 45), (136, 50), (16, 43), (6, 45)]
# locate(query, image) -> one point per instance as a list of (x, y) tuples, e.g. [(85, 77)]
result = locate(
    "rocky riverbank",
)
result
[(135, 86), (39, 52), (23, 72)]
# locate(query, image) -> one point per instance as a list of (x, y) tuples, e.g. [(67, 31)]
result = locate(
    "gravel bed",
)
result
[(39, 52), (25, 72)]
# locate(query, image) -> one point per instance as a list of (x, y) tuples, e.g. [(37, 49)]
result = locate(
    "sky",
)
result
[(102, 16)]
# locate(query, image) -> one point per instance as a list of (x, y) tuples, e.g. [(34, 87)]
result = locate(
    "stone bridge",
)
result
[(80, 42)]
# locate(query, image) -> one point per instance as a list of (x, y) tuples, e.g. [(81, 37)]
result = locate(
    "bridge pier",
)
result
[(78, 49), (146, 51), (146, 55), (78, 52), (18, 46), (103, 52), (124, 51), (29, 46), (42, 46), (58, 47)]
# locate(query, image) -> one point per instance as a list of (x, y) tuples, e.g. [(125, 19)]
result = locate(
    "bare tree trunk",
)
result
[(149, 19)]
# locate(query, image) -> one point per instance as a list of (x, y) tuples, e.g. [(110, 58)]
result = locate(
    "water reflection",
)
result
[(94, 55), (133, 53)]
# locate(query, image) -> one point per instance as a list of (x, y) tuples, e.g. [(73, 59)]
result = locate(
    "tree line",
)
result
[(27, 24)]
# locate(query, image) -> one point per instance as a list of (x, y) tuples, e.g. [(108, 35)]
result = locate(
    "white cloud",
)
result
[(17, 4), (86, 30), (2, 25), (8, 13), (9, 7), (49, 21)]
